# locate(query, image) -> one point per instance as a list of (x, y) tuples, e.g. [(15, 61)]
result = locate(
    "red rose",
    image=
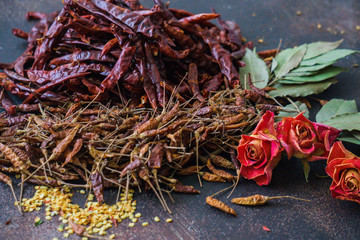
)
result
[(305, 139), (260, 152), (344, 168)]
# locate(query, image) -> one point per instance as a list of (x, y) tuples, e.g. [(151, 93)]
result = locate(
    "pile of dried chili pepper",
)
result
[(119, 50), (171, 87)]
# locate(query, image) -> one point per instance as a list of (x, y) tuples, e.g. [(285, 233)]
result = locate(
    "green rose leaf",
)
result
[(306, 168)]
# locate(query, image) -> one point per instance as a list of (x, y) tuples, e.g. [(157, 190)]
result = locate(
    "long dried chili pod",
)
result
[(256, 200)]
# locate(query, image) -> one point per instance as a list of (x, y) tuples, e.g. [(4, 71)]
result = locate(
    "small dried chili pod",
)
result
[(221, 162), (225, 175), (210, 177), (220, 205), (178, 187)]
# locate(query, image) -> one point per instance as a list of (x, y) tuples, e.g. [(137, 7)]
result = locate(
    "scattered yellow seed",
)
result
[(55, 238), (16, 203), (82, 191), (156, 219), (145, 224), (37, 219), (298, 12), (84, 238), (66, 235), (112, 236), (319, 26), (357, 27), (260, 40), (253, 14), (169, 220), (95, 217)]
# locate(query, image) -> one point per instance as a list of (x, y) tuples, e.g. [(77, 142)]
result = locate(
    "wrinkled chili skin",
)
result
[(119, 50)]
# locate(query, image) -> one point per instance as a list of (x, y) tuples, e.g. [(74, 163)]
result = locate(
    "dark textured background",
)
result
[(322, 218)]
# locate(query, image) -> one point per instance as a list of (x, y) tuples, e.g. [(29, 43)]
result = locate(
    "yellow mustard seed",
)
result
[(137, 215), (169, 220), (84, 238), (145, 224), (156, 219), (48, 217), (112, 236), (131, 224), (66, 235), (55, 238), (82, 191), (37, 219)]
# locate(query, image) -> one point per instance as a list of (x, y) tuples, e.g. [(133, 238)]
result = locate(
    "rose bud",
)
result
[(305, 139), (260, 152), (344, 168)]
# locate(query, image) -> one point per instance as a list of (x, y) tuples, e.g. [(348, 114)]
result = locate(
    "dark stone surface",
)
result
[(322, 218)]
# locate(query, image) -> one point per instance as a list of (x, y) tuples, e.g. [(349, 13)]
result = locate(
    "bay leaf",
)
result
[(286, 112), (291, 62), (331, 56), (336, 107), (257, 68), (274, 64), (322, 75), (312, 68), (284, 55), (349, 121), (302, 90), (318, 48)]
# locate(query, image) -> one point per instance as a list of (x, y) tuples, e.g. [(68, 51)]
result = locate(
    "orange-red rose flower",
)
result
[(260, 152), (305, 139), (344, 168)]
